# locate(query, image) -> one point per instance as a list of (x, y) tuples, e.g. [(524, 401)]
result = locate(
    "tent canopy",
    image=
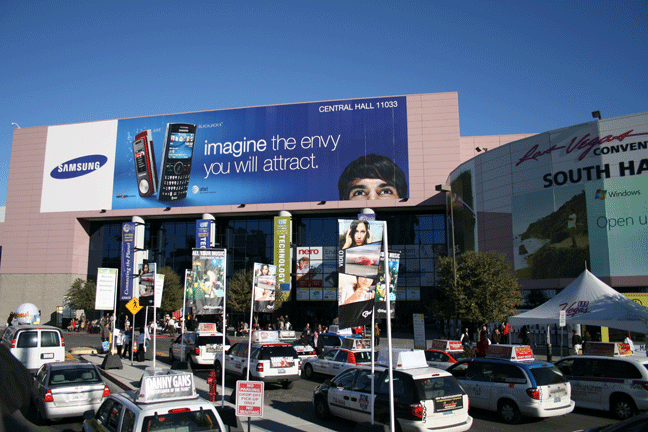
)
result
[(588, 300)]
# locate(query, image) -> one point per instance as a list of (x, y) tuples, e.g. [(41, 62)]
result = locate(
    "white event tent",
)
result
[(589, 301)]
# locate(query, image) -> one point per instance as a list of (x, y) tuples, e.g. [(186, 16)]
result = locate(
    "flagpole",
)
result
[(389, 336), (224, 326)]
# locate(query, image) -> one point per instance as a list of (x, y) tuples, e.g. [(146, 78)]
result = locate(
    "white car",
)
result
[(35, 345), (200, 348), (426, 399), (271, 361), (334, 361), (613, 380), (166, 400), (510, 382)]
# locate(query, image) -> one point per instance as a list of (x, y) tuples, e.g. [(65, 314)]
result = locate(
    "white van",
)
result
[(35, 345)]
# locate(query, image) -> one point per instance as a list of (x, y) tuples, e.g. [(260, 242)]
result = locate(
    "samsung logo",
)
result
[(80, 166)]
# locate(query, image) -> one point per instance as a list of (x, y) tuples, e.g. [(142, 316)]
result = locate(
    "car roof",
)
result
[(635, 358), (522, 363), (69, 365), (416, 373), (33, 327), (129, 397)]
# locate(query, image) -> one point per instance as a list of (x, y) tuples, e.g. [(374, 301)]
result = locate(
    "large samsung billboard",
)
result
[(333, 150), (573, 198)]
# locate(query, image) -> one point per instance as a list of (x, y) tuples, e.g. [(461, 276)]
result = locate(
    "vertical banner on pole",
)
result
[(127, 261), (203, 233), (146, 292), (282, 250), (106, 286), (358, 263), (208, 288), (265, 279), (381, 293)]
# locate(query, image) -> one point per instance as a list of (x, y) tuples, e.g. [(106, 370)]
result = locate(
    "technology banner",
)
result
[(127, 261), (203, 233), (264, 285), (282, 251), (381, 296), (358, 263), (207, 293)]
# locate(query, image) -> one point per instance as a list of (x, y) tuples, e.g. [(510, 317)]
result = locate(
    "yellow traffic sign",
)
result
[(133, 306)]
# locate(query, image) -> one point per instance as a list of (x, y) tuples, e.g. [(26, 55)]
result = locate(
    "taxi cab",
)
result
[(512, 383), (271, 360), (200, 347), (444, 353), (333, 361), (166, 400), (608, 377), (425, 398)]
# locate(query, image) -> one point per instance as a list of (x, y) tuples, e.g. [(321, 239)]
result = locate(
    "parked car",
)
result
[(444, 353), (424, 398), (271, 360), (35, 345), (200, 347), (635, 424), (608, 377), (512, 383), (160, 404), (67, 389), (335, 360)]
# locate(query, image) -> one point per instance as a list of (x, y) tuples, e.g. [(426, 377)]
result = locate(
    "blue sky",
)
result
[(519, 67)]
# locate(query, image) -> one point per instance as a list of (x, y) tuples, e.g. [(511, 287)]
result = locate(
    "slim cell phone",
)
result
[(145, 166), (179, 141)]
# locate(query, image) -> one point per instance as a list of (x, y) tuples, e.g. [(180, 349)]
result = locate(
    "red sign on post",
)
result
[(249, 399)]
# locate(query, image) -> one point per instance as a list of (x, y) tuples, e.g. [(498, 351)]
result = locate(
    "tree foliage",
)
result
[(486, 291), (239, 289), (172, 294), (81, 294)]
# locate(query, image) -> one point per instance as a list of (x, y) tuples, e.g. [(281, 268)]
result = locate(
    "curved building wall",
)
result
[(562, 200)]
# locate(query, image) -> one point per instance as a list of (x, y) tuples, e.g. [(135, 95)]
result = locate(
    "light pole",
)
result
[(447, 190)]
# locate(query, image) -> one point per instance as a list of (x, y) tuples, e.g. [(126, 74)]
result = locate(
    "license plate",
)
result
[(47, 355), (557, 400), (77, 396), (282, 371)]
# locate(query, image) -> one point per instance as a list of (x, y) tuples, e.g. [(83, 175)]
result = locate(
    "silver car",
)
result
[(67, 389)]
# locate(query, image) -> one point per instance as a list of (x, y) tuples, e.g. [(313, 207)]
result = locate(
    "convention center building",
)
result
[(271, 183)]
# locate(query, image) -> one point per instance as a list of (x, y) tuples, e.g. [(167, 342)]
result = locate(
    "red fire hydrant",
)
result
[(211, 381)]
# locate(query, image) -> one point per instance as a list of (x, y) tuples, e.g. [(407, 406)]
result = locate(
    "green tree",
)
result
[(173, 290), (81, 294), (486, 290), (239, 288)]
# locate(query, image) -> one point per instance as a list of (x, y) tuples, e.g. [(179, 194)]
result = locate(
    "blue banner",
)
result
[(334, 150), (203, 233), (127, 261)]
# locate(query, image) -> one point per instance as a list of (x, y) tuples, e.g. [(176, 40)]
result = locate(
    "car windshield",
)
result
[(547, 375), (363, 357), (74, 376), (203, 420), (431, 388), (212, 340)]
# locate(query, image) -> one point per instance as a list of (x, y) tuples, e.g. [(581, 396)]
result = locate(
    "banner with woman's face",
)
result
[(358, 265), (263, 287), (207, 293)]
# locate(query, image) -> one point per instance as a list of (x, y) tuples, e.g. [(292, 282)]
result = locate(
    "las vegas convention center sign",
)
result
[(267, 154), (573, 197)]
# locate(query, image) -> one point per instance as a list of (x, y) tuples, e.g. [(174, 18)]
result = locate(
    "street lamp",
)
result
[(446, 189)]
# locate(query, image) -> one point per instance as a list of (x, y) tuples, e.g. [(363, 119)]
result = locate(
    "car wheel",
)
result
[(218, 369), (622, 407), (192, 365), (39, 418), (171, 359), (321, 408), (308, 371), (508, 412), (287, 385)]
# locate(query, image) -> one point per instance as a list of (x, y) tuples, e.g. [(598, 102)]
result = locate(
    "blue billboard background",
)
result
[(270, 154)]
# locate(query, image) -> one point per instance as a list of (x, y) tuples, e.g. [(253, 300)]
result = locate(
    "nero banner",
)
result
[(207, 293), (334, 150)]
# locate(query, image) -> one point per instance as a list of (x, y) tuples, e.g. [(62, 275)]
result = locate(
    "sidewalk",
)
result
[(273, 419)]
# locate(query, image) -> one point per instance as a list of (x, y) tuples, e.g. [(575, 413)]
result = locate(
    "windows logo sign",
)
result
[(600, 194)]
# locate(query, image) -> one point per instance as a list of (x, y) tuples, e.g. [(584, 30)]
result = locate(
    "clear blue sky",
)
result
[(518, 66)]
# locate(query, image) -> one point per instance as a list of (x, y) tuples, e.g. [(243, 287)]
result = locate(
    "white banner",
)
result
[(159, 288), (106, 287)]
